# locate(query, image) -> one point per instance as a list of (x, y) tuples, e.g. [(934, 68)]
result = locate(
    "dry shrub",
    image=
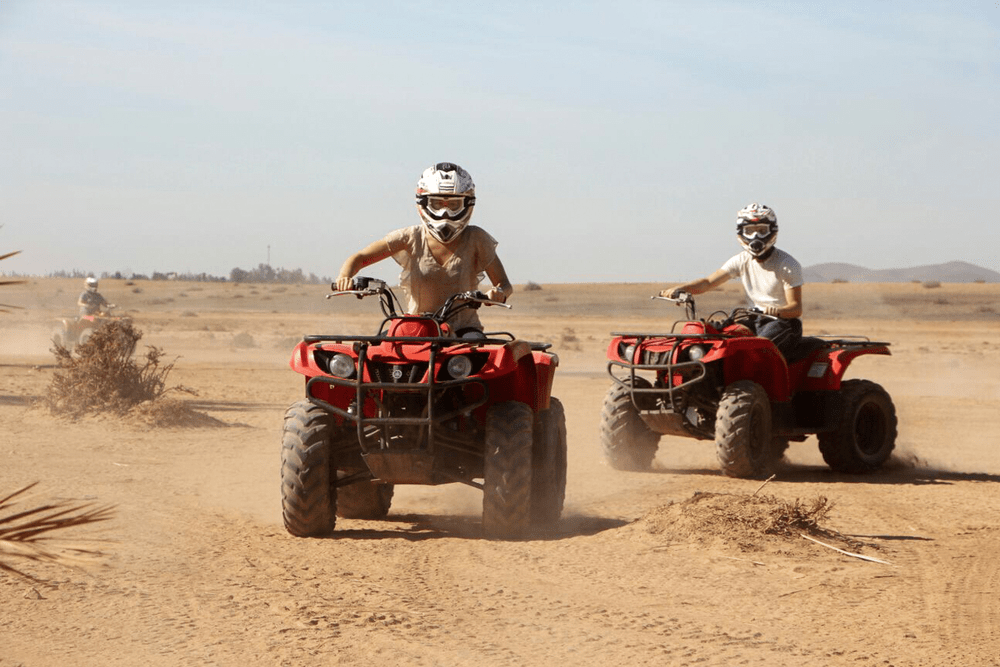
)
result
[(30, 534), (532, 286), (931, 284), (103, 376), (746, 520)]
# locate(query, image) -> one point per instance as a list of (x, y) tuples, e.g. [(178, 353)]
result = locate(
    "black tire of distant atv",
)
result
[(743, 440), (627, 442), (83, 337), (507, 470), (57, 338), (308, 499), (364, 500), (548, 474), (866, 435)]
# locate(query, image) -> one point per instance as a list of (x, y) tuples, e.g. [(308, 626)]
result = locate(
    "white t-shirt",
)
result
[(765, 282)]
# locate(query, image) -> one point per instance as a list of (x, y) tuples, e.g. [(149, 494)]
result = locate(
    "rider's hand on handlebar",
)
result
[(496, 294), (343, 283), (772, 311), (674, 293)]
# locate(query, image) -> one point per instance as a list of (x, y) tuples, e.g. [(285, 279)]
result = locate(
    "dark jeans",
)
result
[(785, 334)]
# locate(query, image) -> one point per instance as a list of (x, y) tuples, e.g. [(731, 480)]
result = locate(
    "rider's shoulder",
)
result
[(479, 234), (785, 258)]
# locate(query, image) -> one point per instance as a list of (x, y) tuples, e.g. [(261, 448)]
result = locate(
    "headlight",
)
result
[(342, 365), (626, 351), (459, 367), (696, 352)]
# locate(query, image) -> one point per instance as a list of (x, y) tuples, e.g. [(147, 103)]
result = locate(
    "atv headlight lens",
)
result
[(696, 352), (626, 351), (342, 365), (459, 367)]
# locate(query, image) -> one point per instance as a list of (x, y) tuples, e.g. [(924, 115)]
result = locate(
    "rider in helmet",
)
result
[(772, 279), (444, 254), (91, 302)]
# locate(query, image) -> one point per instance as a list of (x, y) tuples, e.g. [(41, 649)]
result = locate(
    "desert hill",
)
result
[(950, 272)]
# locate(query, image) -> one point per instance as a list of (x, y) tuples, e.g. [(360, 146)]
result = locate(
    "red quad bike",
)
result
[(713, 379), (74, 332), (415, 404)]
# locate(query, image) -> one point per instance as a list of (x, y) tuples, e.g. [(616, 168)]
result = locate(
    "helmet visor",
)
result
[(755, 230)]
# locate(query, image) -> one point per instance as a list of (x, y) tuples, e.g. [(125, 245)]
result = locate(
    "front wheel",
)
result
[(308, 499), (743, 440), (507, 470), (627, 442), (548, 475), (866, 435), (84, 336)]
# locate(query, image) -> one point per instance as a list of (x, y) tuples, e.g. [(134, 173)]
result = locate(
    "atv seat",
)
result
[(806, 346)]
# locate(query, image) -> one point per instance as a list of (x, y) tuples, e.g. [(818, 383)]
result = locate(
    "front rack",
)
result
[(436, 343)]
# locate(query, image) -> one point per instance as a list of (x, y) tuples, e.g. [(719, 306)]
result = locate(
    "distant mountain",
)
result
[(952, 272)]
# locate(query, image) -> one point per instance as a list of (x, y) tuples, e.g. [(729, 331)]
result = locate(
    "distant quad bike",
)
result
[(414, 404), (713, 379), (73, 332)]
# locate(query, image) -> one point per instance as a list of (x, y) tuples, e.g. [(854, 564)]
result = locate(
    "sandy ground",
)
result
[(202, 572)]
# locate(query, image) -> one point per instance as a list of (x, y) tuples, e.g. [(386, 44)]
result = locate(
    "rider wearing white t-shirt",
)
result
[(772, 279)]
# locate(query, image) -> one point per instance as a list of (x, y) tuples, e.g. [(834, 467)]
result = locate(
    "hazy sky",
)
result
[(609, 141)]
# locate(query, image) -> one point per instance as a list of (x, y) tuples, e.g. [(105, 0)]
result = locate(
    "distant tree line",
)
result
[(264, 273)]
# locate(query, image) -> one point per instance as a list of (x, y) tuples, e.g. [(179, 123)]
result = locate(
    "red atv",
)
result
[(71, 333), (415, 404), (713, 379)]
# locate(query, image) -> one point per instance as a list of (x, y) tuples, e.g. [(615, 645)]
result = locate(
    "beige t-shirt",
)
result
[(427, 283)]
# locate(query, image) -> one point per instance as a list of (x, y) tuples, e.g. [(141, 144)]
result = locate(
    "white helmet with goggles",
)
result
[(445, 197), (757, 228), (91, 283)]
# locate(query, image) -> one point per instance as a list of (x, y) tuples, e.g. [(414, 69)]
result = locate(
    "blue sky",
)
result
[(608, 141)]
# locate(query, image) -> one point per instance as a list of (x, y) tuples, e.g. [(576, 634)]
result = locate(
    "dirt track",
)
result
[(203, 573)]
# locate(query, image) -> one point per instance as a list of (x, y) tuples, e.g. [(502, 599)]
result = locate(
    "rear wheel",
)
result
[(627, 442), (364, 500), (866, 435), (507, 470), (308, 499), (743, 440), (548, 474)]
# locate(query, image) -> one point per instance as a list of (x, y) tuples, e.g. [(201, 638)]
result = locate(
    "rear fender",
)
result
[(827, 368)]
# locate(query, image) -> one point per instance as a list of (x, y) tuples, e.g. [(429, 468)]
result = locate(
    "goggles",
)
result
[(446, 206), (755, 230)]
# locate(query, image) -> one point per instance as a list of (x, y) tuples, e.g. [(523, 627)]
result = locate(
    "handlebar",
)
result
[(362, 287)]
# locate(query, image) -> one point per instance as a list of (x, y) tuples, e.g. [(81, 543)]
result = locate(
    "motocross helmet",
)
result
[(756, 228), (91, 283), (445, 197)]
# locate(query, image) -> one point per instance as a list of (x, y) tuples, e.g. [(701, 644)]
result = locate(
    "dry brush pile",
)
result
[(748, 521), (103, 375)]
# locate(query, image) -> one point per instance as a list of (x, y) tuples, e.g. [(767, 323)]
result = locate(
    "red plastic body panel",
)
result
[(745, 356), (511, 372)]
